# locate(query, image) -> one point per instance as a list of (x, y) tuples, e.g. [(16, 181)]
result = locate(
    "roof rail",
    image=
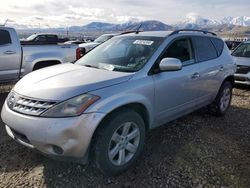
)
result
[(192, 30)]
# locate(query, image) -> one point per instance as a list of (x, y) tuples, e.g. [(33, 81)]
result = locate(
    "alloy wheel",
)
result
[(124, 143)]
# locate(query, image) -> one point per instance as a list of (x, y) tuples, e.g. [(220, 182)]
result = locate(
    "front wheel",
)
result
[(223, 99), (119, 142)]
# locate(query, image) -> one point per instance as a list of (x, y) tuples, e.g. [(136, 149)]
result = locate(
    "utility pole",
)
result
[(39, 29), (67, 31)]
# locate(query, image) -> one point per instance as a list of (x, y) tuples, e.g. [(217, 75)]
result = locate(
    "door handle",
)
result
[(9, 52), (221, 68), (195, 75)]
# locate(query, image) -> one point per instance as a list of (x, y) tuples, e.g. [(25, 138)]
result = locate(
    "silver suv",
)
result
[(103, 105), (241, 56)]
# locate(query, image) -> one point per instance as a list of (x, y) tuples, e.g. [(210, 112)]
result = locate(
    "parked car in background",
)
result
[(232, 44), (241, 56), (86, 47), (103, 105), (17, 60), (43, 39)]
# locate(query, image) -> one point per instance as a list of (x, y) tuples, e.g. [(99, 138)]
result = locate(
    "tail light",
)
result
[(78, 53)]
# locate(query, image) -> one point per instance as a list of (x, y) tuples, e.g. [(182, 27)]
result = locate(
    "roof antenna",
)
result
[(5, 22), (138, 28)]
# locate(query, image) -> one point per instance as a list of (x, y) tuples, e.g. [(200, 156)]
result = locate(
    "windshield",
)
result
[(32, 37), (242, 51), (123, 54), (103, 38)]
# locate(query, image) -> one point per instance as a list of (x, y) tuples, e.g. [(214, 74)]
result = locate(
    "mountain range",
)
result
[(196, 21), (227, 24)]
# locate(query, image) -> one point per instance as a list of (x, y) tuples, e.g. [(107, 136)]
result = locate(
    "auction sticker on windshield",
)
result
[(144, 42)]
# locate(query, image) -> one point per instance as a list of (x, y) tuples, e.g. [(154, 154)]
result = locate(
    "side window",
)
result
[(4, 37), (51, 38), (219, 45), (182, 50), (41, 38), (204, 49)]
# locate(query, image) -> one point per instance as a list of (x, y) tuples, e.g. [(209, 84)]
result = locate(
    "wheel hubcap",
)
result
[(225, 99), (124, 143)]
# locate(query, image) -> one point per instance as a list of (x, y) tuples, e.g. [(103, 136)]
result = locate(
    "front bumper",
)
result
[(242, 78), (65, 137)]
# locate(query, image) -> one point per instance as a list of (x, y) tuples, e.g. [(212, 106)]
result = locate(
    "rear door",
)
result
[(207, 50), (176, 91), (10, 55)]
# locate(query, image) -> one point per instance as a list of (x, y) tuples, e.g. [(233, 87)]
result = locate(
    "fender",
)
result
[(112, 103)]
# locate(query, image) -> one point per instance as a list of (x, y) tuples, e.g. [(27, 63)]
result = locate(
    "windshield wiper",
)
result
[(92, 66)]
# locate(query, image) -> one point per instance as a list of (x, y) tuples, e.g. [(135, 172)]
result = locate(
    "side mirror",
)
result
[(170, 64)]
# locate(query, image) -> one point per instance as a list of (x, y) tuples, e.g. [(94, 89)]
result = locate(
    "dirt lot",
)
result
[(199, 150)]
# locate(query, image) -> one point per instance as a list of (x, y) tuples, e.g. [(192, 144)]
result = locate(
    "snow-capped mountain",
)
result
[(194, 21), (240, 20), (148, 25)]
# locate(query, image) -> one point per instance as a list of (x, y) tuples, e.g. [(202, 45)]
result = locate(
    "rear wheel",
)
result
[(119, 142), (223, 99)]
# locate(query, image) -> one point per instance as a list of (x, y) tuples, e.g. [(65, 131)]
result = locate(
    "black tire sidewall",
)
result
[(103, 139)]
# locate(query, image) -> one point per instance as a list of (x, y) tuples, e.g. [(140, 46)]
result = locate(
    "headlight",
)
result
[(72, 107)]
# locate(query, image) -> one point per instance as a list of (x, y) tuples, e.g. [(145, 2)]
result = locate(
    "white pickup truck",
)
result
[(17, 60)]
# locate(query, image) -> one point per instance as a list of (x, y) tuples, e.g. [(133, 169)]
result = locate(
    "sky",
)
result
[(64, 13)]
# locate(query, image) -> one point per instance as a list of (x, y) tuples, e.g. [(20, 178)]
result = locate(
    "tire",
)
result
[(114, 151), (223, 100)]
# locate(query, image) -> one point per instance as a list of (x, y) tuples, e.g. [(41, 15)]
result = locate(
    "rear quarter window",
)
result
[(52, 38), (204, 49), (4, 37), (218, 44)]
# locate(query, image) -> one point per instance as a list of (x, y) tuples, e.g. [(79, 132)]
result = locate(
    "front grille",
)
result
[(241, 69), (28, 106)]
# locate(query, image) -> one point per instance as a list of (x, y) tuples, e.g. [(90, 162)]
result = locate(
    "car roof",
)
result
[(4, 27)]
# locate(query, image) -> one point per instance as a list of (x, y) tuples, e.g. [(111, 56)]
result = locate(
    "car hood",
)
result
[(61, 82), (242, 60)]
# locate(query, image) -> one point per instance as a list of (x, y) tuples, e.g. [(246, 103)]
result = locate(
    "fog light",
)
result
[(57, 149)]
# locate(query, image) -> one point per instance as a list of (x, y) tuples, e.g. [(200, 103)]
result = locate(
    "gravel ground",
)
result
[(199, 150)]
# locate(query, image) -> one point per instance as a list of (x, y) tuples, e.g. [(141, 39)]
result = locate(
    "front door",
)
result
[(176, 91)]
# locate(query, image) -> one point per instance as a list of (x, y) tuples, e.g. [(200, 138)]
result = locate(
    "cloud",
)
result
[(192, 15), (75, 12), (87, 11), (135, 2), (123, 19)]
